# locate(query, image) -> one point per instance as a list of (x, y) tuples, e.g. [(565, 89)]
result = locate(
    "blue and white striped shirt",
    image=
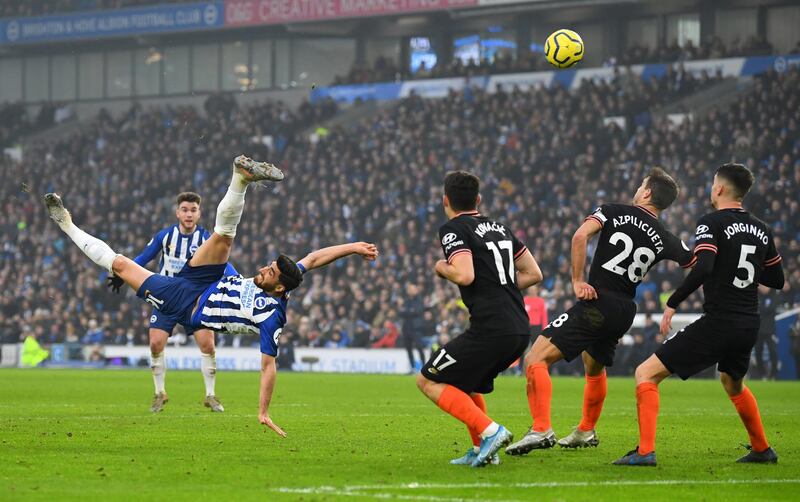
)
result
[(237, 305), (175, 248)]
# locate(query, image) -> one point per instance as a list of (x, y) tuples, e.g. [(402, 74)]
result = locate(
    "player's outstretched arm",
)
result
[(528, 271), (268, 373), (580, 241), (324, 256)]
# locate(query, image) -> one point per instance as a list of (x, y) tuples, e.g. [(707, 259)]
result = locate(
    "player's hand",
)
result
[(666, 321), (114, 283), (264, 419), (584, 290), (441, 264), (366, 250)]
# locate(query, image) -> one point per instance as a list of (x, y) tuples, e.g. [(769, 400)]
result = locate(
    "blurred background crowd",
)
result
[(546, 157)]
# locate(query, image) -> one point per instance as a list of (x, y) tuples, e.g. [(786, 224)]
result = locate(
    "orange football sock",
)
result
[(647, 407), (458, 404), (540, 392), (594, 395), (480, 403), (747, 407)]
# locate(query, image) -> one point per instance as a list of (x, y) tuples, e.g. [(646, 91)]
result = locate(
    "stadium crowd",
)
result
[(381, 181)]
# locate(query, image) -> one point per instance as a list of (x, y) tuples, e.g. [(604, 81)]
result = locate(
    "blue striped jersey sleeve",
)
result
[(151, 250)]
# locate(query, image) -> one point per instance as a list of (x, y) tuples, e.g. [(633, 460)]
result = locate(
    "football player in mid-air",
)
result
[(177, 243), (632, 239), (200, 296), (490, 266), (735, 252)]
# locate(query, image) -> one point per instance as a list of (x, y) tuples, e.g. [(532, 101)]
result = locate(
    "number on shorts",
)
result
[(558, 321), (449, 362)]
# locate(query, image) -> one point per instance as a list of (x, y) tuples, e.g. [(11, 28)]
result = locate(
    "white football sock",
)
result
[(238, 183), (208, 365), (491, 430), (229, 211), (476, 449), (97, 250), (159, 368)]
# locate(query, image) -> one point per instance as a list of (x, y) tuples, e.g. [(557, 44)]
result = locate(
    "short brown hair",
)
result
[(663, 188), (461, 189), (188, 197), (739, 176)]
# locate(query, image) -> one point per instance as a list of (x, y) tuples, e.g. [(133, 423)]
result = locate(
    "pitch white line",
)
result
[(327, 490), (568, 484)]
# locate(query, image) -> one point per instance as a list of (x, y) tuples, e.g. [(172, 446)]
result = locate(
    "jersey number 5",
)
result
[(747, 266), (498, 260), (642, 258)]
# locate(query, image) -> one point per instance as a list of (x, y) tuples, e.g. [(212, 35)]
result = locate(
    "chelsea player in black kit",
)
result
[(490, 266), (735, 253), (632, 239)]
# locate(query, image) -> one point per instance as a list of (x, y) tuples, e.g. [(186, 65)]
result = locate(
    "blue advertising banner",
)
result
[(112, 23)]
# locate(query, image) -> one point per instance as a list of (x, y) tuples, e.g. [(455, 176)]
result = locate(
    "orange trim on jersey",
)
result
[(591, 216), (705, 247), (691, 263), (458, 253), (520, 252), (773, 261), (651, 213), (468, 213)]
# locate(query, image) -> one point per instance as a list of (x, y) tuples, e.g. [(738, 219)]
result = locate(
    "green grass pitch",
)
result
[(68, 434)]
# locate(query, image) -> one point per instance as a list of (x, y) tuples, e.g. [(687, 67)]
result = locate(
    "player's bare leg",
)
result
[(461, 406), (217, 248), (539, 389), (594, 395), (747, 407), (208, 366), (158, 366), (648, 375), (97, 250)]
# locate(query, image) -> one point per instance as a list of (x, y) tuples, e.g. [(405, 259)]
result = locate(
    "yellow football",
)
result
[(563, 48)]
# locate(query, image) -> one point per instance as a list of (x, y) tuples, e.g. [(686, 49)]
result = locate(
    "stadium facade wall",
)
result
[(437, 88)]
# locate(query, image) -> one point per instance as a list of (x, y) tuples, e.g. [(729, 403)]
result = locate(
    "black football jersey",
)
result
[(493, 299), (632, 240), (744, 247)]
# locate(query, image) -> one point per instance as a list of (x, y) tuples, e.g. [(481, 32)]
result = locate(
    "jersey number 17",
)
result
[(495, 248)]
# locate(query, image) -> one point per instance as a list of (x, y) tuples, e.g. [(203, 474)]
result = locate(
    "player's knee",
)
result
[(119, 265), (732, 387), (642, 374), (422, 383)]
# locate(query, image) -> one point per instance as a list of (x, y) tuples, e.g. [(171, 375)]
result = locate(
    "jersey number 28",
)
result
[(642, 258)]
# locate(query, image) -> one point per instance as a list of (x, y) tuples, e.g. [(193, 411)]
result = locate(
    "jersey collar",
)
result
[(468, 213), (651, 213)]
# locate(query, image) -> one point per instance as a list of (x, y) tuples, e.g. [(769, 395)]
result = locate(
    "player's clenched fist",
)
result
[(264, 419)]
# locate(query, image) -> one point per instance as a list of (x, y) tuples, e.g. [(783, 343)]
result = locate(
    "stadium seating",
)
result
[(546, 158)]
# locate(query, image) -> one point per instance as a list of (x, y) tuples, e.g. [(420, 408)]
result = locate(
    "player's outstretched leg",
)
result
[(217, 248), (594, 395), (747, 408)]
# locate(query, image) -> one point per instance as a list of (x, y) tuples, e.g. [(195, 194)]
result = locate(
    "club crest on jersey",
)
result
[(447, 239), (261, 302), (193, 249), (490, 226)]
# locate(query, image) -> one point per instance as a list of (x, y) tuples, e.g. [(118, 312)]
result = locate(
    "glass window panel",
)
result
[(90, 76), (683, 27), (10, 79), (147, 67), (119, 74), (64, 72), (37, 82), (176, 70), (261, 72), (283, 53), (235, 71), (205, 71), (319, 60)]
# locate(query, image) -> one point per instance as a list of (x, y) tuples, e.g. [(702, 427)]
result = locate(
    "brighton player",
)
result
[(200, 296), (176, 244), (735, 252), (632, 239), (490, 266)]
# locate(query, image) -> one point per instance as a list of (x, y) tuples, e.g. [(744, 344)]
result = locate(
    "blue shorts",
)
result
[(167, 323), (174, 297)]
